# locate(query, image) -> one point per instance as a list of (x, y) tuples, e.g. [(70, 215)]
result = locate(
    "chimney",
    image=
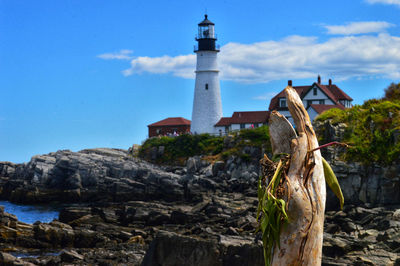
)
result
[(319, 79), (330, 82), (289, 83)]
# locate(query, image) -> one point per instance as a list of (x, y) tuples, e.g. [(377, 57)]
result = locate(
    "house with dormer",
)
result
[(316, 98)]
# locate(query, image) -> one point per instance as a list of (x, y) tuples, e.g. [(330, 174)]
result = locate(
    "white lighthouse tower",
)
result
[(207, 107)]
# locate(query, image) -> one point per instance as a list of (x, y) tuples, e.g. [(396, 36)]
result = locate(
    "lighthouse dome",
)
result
[(205, 22)]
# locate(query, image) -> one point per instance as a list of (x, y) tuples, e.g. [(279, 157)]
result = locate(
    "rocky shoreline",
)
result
[(125, 211)]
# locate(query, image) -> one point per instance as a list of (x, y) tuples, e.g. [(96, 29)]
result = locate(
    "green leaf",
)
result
[(283, 208), (274, 213), (264, 223), (332, 181), (278, 229), (276, 175), (261, 193)]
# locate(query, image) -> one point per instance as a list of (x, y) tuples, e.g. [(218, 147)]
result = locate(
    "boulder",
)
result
[(70, 256), (56, 233), (173, 249), (217, 167), (9, 260)]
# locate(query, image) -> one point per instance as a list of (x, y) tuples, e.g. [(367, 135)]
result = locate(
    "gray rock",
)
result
[(217, 167), (396, 215), (172, 249), (9, 260), (70, 256), (191, 165), (99, 174)]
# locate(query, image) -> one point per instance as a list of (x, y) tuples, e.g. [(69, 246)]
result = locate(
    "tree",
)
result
[(392, 92)]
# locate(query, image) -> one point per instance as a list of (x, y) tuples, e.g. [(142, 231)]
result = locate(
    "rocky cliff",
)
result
[(88, 175), (125, 210)]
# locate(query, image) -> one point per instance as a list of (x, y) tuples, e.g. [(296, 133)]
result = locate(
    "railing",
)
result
[(197, 36), (196, 47)]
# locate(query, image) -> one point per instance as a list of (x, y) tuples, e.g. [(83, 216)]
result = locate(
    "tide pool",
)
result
[(31, 213)]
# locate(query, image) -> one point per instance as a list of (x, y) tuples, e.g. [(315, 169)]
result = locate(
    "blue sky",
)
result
[(85, 74)]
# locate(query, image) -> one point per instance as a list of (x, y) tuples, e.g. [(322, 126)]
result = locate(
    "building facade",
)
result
[(169, 126), (316, 98), (241, 120)]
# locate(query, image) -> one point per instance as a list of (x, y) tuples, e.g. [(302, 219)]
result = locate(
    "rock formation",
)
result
[(122, 210)]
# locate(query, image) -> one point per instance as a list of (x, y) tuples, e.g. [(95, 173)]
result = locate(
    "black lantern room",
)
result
[(206, 36)]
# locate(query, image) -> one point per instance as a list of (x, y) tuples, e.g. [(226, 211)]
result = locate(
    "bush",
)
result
[(257, 136), (178, 149), (372, 130)]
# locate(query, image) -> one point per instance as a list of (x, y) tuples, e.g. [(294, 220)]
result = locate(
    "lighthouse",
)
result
[(207, 107)]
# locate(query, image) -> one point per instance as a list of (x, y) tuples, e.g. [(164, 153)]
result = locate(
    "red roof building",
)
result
[(169, 126), (316, 98), (241, 120)]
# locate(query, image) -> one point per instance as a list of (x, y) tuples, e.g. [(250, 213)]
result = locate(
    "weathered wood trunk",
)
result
[(301, 238)]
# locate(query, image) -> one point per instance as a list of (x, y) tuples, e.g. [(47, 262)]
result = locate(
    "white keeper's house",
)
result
[(316, 98)]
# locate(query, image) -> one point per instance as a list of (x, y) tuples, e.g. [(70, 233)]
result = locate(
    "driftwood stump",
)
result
[(301, 237)]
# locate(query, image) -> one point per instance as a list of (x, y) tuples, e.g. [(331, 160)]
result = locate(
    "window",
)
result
[(255, 124), (315, 91), (321, 101), (309, 102), (226, 129), (242, 126), (282, 102), (206, 86)]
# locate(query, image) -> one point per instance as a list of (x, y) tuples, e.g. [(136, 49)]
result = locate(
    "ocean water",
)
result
[(34, 254), (31, 213)]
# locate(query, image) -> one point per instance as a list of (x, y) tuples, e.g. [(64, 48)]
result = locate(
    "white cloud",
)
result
[(181, 66), (386, 2), (265, 96), (124, 54), (294, 57), (359, 28)]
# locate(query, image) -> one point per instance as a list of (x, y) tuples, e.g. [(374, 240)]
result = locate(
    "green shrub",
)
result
[(177, 149), (372, 130), (183, 146), (256, 136), (335, 114)]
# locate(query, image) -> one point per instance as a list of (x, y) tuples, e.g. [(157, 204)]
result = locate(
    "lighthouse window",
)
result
[(206, 86)]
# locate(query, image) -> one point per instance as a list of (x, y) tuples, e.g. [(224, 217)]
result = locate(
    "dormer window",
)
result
[(282, 102)]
